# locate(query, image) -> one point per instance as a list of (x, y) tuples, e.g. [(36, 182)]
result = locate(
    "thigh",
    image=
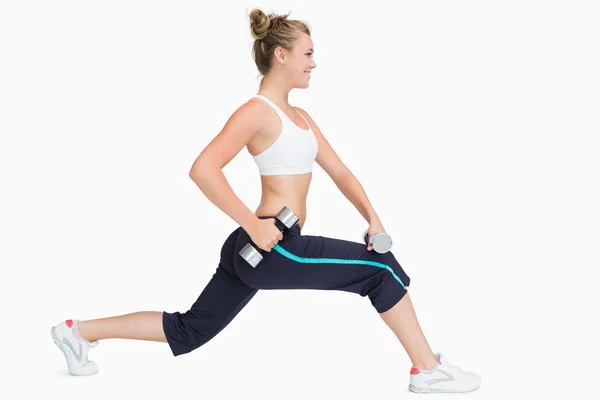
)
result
[(319, 262), (225, 291), (220, 301)]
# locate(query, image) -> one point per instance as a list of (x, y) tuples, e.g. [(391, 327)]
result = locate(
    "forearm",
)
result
[(214, 186), (355, 193)]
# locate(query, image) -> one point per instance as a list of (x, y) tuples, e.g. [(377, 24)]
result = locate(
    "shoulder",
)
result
[(252, 112), (252, 106), (255, 104), (248, 118)]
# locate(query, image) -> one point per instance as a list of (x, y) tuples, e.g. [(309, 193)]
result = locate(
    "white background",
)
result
[(473, 127)]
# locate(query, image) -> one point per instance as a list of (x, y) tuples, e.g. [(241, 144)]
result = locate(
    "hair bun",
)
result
[(259, 23)]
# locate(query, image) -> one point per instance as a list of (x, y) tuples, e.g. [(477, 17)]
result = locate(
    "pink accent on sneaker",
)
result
[(69, 323), (415, 371)]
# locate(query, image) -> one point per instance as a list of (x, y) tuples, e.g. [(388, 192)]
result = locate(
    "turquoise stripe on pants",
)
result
[(298, 262), (294, 257)]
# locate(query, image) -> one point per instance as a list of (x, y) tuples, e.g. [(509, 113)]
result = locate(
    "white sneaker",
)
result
[(74, 347), (443, 378)]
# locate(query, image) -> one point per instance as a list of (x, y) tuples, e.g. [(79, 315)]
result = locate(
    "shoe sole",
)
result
[(415, 389), (57, 343)]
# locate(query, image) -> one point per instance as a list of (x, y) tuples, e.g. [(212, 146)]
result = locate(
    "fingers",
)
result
[(270, 246), (278, 236)]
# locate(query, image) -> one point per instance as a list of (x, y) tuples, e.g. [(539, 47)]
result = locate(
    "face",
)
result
[(299, 62)]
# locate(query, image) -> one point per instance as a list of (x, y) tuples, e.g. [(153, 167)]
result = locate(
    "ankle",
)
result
[(80, 331), (427, 364)]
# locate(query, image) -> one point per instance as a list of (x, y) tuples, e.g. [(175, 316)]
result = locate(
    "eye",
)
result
[(309, 54)]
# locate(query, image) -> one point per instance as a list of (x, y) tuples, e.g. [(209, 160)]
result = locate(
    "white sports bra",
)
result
[(293, 152)]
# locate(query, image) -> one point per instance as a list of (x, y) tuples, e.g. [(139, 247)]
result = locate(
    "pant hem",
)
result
[(387, 306), (168, 335)]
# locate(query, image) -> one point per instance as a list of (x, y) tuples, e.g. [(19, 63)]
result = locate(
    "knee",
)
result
[(396, 270), (389, 291)]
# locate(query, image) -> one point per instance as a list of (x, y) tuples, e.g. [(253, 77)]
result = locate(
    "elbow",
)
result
[(200, 171), (200, 179)]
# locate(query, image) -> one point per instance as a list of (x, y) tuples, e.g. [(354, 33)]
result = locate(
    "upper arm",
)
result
[(237, 132), (327, 158)]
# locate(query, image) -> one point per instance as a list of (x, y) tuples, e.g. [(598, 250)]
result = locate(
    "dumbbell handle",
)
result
[(280, 225), (285, 219)]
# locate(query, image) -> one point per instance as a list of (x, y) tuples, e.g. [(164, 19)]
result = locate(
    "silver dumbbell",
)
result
[(285, 219), (381, 242)]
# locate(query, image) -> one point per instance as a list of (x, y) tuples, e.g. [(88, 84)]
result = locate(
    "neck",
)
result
[(275, 89)]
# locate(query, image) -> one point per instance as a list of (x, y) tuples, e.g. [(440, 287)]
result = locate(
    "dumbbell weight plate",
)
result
[(250, 254), (381, 242)]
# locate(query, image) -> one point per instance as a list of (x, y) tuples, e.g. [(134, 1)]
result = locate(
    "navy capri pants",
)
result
[(296, 262)]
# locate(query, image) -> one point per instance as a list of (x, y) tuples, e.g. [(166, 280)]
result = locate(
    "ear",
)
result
[(279, 54)]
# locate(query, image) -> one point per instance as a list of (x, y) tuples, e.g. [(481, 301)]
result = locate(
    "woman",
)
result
[(284, 141)]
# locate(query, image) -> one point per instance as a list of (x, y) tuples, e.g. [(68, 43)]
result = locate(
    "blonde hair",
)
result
[(272, 31)]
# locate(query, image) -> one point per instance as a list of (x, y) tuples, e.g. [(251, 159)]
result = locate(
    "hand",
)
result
[(374, 228), (265, 234)]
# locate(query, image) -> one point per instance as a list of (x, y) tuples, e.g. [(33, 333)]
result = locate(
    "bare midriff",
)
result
[(284, 190), (280, 190)]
